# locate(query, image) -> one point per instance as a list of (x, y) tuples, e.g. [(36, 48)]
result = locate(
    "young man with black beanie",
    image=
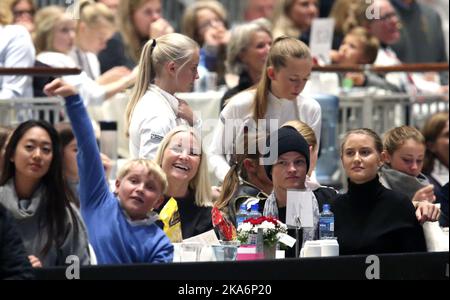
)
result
[(287, 168)]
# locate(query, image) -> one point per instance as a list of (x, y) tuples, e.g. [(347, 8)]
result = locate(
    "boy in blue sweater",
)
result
[(121, 225)]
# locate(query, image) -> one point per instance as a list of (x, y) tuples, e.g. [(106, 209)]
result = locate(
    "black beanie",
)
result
[(289, 139)]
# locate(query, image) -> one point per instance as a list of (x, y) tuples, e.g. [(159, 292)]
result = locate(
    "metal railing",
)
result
[(16, 111)]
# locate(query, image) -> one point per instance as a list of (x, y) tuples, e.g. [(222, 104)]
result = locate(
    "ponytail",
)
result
[(144, 78)]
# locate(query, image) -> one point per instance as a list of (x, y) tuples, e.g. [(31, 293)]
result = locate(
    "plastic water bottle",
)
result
[(242, 214), (254, 212), (326, 223)]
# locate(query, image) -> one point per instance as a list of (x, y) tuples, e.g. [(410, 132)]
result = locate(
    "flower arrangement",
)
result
[(272, 228)]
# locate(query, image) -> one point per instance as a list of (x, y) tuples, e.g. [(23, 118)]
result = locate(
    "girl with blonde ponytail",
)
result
[(276, 99), (168, 65)]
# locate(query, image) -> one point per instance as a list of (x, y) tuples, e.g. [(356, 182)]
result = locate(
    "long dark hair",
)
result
[(57, 196)]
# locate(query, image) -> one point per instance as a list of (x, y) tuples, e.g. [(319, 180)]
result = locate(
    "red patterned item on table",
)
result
[(225, 227)]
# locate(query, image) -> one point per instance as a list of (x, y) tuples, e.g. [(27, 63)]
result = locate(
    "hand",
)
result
[(107, 164), (335, 56), (185, 112), (58, 87), (357, 78), (34, 261), (425, 194), (113, 74), (427, 212), (159, 28), (216, 35)]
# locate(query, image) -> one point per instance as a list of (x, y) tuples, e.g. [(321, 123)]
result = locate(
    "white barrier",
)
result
[(16, 111)]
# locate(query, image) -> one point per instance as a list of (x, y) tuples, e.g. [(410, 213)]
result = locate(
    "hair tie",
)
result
[(153, 44)]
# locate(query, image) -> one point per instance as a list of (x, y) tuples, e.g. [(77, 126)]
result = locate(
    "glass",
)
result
[(225, 252), (190, 252)]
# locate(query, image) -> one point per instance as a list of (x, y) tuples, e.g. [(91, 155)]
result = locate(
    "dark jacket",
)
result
[(14, 263)]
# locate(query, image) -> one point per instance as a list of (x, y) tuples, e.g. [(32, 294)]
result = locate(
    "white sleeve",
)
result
[(316, 120), (152, 132), (91, 92), (20, 53), (217, 159)]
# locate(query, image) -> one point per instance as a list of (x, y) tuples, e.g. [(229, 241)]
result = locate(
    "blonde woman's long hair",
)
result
[(155, 54), (45, 20), (5, 13), (282, 48), (200, 183)]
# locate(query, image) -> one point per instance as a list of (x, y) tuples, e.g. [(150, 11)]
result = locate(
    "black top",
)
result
[(115, 55), (371, 219), (14, 263), (245, 82), (194, 219)]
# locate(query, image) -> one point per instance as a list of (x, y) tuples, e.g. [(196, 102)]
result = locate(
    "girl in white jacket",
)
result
[(168, 65), (275, 101)]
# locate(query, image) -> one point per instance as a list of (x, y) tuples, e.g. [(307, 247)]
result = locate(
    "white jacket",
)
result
[(240, 109), (154, 116)]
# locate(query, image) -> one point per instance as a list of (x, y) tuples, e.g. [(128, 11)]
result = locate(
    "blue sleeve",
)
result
[(94, 188)]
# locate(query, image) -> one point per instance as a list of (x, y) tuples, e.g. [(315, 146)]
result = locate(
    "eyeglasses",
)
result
[(387, 16)]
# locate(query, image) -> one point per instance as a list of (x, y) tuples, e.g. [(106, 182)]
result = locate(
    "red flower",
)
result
[(260, 220)]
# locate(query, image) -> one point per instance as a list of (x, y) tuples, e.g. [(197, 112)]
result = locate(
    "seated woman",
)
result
[(246, 182), (69, 153), (206, 23), (32, 189), (246, 55), (435, 165), (403, 156), (181, 156), (369, 218), (121, 225), (16, 51), (54, 39)]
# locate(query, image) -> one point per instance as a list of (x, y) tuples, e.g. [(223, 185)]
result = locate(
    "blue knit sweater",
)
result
[(115, 239)]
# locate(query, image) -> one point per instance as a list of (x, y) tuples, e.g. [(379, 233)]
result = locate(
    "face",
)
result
[(360, 158), (303, 12), (181, 158), (408, 158), (207, 18), (289, 172), (386, 28), (187, 74), (145, 15), (440, 146), (94, 38), (259, 9), (352, 50), (70, 160), (254, 57), (139, 192), (288, 82), (64, 36), (33, 155), (23, 12)]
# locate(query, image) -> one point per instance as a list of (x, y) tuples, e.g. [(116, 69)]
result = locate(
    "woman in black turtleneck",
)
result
[(369, 218)]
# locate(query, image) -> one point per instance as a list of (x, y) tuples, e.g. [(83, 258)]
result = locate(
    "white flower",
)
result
[(267, 225), (245, 227)]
